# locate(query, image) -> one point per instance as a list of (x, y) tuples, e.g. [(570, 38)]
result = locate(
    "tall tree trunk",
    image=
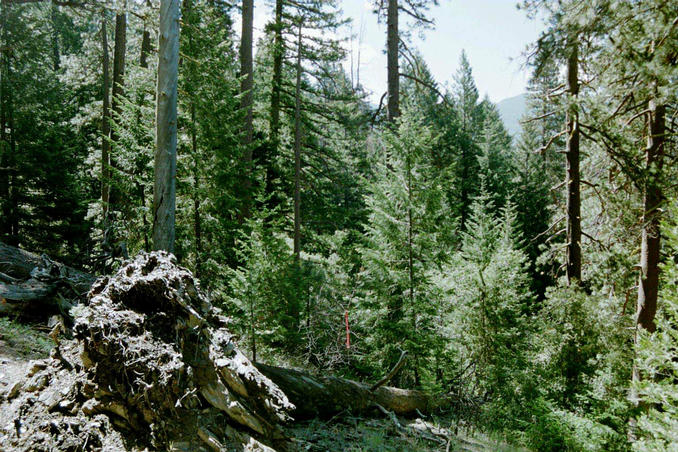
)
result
[(648, 279), (145, 42), (143, 62), (165, 169), (246, 85), (119, 65), (297, 153), (572, 181), (5, 169), (105, 122), (56, 58), (392, 37), (197, 224), (648, 282), (278, 54), (119, 52)]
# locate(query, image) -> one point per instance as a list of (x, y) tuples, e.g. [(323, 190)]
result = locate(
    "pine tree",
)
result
[(212, 197), (488, 286), (43, 186), (465, 95), (495, 167), (407, 214)]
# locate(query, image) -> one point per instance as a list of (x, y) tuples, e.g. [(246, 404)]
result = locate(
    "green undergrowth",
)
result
[(23, 341), (357, 434)]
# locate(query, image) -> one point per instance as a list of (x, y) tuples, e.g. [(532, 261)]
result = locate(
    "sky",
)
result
[(494, 34)]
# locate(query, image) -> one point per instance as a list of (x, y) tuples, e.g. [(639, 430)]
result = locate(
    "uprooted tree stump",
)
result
[(157, 359), (153, 366)]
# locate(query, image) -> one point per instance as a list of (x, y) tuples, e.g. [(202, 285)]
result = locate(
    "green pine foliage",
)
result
[(437, 234), (406, 228), (487, 286), (43, 182)]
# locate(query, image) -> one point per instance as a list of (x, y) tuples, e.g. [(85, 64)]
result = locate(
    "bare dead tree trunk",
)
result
[(648, 282), (31, 285), (165, 169), (297, 153), (105, 122), (392, 37), (246, 86), (572, 181)]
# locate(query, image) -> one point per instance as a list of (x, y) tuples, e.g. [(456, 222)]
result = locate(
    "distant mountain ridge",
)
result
[(511, 110)]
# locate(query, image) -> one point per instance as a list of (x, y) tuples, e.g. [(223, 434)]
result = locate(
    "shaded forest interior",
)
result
[(526, 283)]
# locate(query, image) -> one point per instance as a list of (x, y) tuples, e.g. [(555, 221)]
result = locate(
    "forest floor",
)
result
[(20, 344)]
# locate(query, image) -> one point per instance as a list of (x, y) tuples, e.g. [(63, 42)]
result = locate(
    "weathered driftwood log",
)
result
[(322, 396), (36, 286)]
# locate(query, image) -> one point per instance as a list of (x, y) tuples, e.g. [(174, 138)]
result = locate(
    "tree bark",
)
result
[(9, 221), (145, 42), (325, 396), (297, 153), (392, 37), (119, 53), (105, 122), (143, 62), (278, 53), (56, 57), (648, 281), (164, 189), (246, 86), (572, 181)]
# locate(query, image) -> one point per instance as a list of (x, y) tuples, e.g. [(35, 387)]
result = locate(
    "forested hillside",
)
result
[(529, 278)]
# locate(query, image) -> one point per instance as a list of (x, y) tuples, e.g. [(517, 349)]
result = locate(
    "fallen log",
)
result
[(324, 396), (36, 286)]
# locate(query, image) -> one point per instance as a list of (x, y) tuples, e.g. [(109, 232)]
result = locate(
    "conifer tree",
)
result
[(310, 56), (246, 87), (489, 291), (465, 95), (407, 215), (495, 167)]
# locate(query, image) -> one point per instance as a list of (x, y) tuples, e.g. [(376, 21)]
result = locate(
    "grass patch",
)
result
[(23, 341)]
